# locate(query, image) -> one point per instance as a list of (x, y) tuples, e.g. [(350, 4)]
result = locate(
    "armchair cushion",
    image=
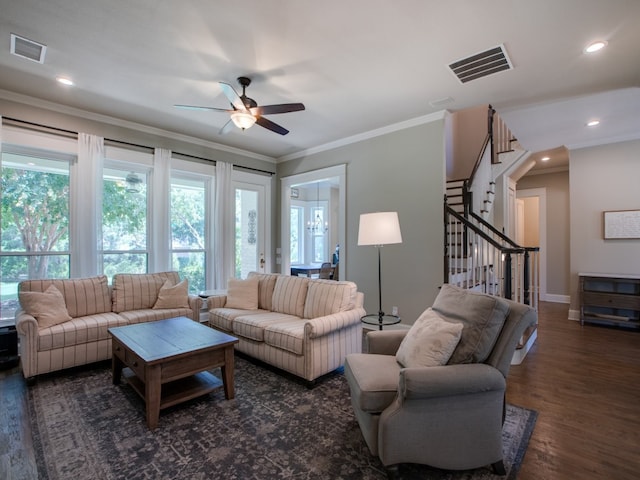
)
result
[(373, 380), (47, 307), (242, 294), (430, 341), (482, 317)]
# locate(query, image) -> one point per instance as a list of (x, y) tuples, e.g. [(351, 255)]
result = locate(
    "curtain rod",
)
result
[(71, 133)]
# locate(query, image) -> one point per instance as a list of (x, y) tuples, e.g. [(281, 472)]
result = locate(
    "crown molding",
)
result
[(432, 117)]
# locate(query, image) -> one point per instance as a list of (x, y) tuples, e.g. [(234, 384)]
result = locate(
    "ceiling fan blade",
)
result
[(269, 125), (226, 128), (197, 107), (280, 108), (233, 96)]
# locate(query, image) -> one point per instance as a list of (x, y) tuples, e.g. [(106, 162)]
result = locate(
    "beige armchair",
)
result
[(447, 416)]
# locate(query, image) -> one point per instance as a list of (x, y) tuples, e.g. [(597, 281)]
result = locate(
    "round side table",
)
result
[(380, 319)]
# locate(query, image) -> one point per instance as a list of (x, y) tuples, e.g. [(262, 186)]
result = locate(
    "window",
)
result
[(318, 232), (34, 231), (188, 245), (124, 221)]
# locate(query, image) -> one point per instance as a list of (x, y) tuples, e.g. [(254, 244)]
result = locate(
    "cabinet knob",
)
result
[(117, 349), (135, 364)]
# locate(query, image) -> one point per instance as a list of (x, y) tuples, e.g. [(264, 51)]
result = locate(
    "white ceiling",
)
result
[(357, 65)]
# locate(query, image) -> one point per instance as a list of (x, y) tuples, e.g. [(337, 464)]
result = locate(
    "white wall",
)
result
[(602, 178), (401, 171)]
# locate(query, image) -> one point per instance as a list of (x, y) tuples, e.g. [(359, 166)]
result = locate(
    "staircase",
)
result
[(477, 256)]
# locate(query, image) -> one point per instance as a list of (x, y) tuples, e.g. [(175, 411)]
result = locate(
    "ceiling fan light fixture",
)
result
[(243, 120), (595, 46), (133, 182)]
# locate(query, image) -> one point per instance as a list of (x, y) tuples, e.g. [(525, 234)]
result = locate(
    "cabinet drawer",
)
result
[(612, 300), (135, 363)]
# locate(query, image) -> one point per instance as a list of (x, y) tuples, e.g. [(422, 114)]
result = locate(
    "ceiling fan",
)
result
[(245, 111)]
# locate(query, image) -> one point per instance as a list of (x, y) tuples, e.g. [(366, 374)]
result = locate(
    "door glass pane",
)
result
[(247, 228), (297, 235)]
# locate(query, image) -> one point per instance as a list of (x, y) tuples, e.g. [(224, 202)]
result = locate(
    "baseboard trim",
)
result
[(547, 297), (574, 315)]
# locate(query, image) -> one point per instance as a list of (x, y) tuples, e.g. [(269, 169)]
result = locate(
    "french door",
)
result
[(252, 223)]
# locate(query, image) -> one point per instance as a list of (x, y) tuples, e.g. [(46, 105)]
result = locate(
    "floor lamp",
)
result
[(378, 229)]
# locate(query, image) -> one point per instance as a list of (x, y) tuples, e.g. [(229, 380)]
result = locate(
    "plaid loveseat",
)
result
[(301, 325), (94, 307)]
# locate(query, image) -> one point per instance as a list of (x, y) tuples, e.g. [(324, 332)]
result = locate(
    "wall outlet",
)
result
[(394, 310)]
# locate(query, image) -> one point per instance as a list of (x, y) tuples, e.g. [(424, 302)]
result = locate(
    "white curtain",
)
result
[(160, 241), (86, 210), (224, 221)]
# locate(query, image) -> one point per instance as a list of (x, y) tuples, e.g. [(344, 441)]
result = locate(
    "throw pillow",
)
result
[(173, 296), (47, 307), (429, 342), (242, 294), (482, 316)]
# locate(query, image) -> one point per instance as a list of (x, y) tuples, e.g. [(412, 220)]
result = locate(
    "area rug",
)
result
[(84, 427)]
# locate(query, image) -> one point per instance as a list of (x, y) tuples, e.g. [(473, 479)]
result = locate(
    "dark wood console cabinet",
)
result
[(610, 299)]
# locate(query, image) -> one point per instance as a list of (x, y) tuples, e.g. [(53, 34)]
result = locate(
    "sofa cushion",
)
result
[(82, 296), (46, 307), (289, 295), (286, 335), (266, 284), (481, 315), (133, 291), (151, 315), (373, 380), (253, 326), (173, 296), (78, 331), (429, 342), (242, 294), (223, 318), (325, 297)]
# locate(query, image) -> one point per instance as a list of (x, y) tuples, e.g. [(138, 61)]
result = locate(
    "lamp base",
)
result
[(380, 319)]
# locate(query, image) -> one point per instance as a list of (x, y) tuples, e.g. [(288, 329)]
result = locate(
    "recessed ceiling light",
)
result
[(593, 123), (595, 46), (65, 81), (545, 159)]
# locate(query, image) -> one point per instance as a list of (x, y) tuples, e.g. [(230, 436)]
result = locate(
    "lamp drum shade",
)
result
[(379, 228)]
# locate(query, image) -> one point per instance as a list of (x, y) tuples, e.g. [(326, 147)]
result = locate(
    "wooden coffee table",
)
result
[(168, 360)]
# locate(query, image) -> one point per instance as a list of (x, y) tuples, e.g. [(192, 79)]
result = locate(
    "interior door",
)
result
[(252, 225)]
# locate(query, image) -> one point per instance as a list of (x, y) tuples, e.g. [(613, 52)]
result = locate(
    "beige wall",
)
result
[(468, 132), (602, 178), (401, 171), (557, 229)]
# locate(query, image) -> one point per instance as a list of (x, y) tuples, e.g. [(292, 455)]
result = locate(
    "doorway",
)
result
[(252, 229), (531, 222), (313, 218)]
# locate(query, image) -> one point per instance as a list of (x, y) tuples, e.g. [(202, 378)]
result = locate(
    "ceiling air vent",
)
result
[(25, 48), (481, 64)]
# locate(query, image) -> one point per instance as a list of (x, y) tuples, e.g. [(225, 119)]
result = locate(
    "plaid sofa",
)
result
[(94, 307), (303, 326)]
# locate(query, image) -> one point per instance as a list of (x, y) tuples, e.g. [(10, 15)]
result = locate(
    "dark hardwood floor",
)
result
[(583, 381)]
